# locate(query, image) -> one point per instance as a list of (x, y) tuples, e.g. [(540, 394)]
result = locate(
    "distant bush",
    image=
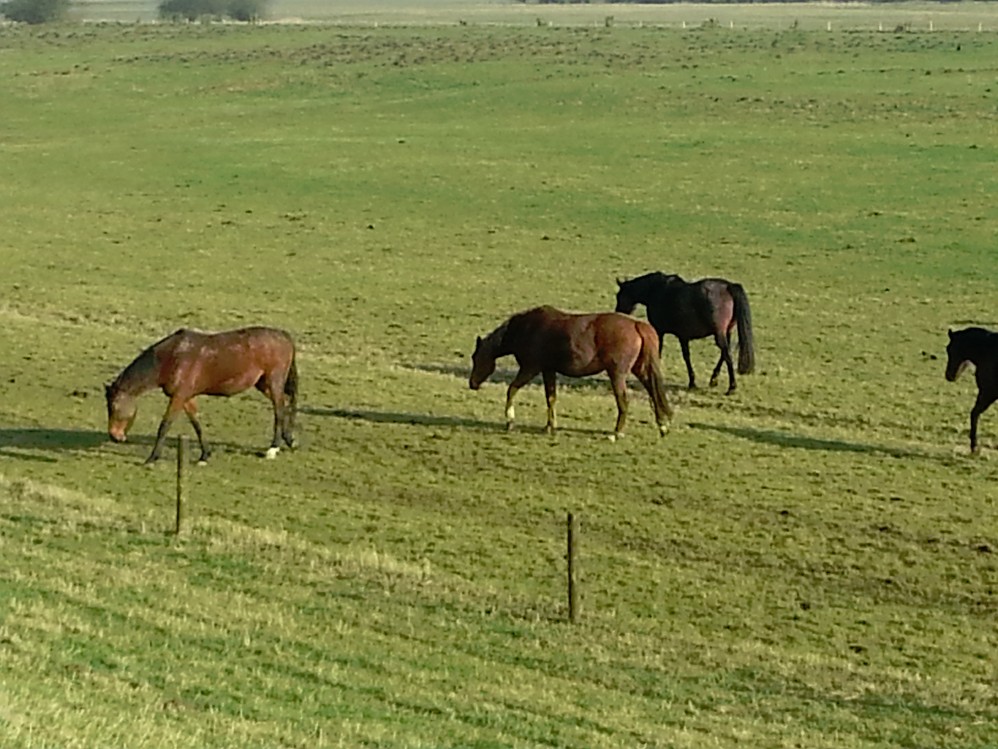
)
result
[(192, 10), (34, 11), (246, 10)]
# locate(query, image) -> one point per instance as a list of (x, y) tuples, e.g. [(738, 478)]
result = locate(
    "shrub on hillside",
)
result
[(34, 11), (246, 10), (191, 10)]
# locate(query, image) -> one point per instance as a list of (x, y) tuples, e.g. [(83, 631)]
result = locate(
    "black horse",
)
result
[(979, 347), (697, 309)]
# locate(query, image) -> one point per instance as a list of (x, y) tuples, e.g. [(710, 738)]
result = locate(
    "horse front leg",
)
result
[(550, 394), (522, 378), (174, 407), (684, 344), (191, 409), (981, 405)]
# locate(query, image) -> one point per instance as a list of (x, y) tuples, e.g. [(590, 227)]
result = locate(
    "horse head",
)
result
[(626, 301), (956, 358), (121, 412), (483, 363)]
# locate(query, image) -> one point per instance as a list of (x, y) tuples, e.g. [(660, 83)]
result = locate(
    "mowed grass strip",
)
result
[(234, 634)]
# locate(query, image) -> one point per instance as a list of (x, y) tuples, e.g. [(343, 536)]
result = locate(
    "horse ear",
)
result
[(620, 281), (478, 341), (950, 333)]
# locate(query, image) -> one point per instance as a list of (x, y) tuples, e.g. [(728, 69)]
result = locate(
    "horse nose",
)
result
[(474, 385), (116, 437)]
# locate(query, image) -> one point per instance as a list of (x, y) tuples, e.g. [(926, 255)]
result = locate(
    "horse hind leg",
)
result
[(279, 424), (724, 343), (618, 381), (288, 428), (684, 344), (275, 392)]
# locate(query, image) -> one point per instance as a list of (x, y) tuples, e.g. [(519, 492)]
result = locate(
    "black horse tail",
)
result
[(653, 374), (743, 318), (291, 394), (291, 385)]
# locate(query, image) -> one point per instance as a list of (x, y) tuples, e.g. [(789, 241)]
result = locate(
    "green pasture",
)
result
[(807, 563)]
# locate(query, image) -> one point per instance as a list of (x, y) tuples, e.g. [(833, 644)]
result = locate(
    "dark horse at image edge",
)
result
[(979, 347), (189, 363), (695, 309), (548, 342)]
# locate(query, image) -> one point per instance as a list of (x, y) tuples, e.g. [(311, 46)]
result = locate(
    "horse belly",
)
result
[(581, 370), (233, 385)]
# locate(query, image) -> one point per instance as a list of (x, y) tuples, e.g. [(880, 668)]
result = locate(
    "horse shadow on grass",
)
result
[(395, 417), (26, 443), (21, 443), (504, 376), (801, 442), (431, 420)]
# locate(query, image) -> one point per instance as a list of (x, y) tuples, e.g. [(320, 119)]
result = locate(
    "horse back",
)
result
[(686, 309), (222, 363)]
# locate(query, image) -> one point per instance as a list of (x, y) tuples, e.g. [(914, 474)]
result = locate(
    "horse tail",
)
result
[(291, 386), (743, 318), (652, 370)]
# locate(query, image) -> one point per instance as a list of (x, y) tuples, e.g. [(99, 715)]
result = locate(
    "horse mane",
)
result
[(653, 278), (142, 365), (974, 335), (494, 341)]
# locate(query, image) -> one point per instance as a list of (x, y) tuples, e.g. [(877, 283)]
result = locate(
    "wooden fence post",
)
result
[(181, 468), (573, 568)]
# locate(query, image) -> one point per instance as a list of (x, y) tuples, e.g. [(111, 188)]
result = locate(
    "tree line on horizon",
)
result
[(47, 11)]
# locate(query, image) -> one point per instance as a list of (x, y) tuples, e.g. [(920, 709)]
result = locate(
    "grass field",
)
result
[(807, 563)]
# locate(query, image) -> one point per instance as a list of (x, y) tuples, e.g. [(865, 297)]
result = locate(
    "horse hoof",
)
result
[(509, 426), (203, 462), (662, 430), (616, 436), (272, 453)]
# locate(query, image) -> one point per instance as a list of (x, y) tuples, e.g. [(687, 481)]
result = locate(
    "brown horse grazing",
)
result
[(697, 309), (979, 347), (189, 363), (548, 342)]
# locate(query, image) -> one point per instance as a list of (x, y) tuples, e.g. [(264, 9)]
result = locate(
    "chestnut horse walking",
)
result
[(979, 347), (548, 342), (189, 363), (695, 309)]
